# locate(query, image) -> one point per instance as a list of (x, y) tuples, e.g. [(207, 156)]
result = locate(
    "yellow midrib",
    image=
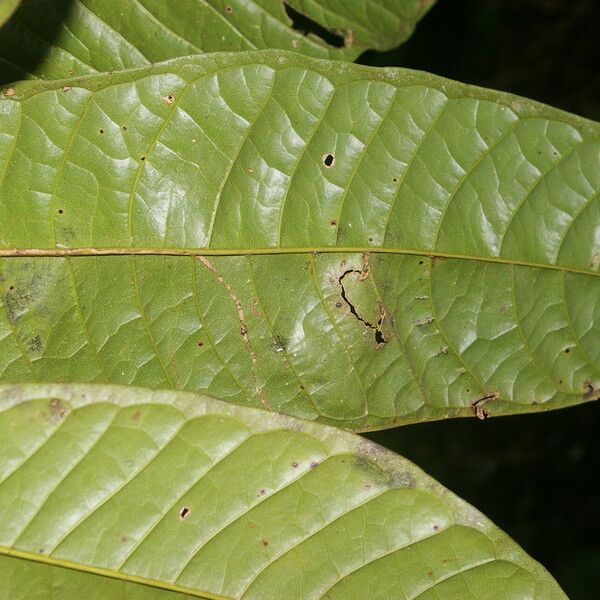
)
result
[(91, 570), (122, 251)]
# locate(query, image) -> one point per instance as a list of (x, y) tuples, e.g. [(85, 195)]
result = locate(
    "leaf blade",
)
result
[(372, 330), (188, 446)]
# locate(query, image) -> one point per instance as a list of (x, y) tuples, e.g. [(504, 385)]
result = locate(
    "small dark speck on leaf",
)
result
[(11, 287), (567, 350), (60, 211), (370, 239), (124, 127), (183, 513), (421, 262), (295, 465), (436, 527), (143, 158), (137, 415), (102, 131), (264, 542), (228, 9), (199, 344), (338, 304), (333, 222), (262, 492), (314, 464), (395, 180), (328, 160)]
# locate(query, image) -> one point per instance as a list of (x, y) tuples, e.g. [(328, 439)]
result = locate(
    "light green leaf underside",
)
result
[(101, 477), (233, 150), (58, 38), (7, 8)]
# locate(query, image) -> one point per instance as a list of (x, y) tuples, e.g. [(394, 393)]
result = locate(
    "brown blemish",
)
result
[(184, 512), (590, 391), (9, 92), (243, 329), (349, 39), (65, 88), (295, 465), (426, 321), (478, 405), (57, 410), (35, 344), (136, 416), (169, 99), (265, 543), (199, 344), (314, 464)]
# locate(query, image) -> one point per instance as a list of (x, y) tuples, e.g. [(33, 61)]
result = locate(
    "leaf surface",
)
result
[(365, 247), (7, 8), (109, 490), (61, 38)]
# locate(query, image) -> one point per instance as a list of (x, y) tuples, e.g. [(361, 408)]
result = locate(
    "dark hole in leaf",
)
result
[(60, 211), (228, 9), (183, 513), (102, 131), (306, 25), (143, 158), (328, 160), (421, 262)]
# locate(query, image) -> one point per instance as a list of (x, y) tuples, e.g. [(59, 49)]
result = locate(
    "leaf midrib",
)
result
[(153, 251), (91, 570)]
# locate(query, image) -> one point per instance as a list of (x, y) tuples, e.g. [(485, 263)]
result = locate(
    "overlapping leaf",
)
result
[(379, 247), (108, 491), (62, 38), (7, 7)]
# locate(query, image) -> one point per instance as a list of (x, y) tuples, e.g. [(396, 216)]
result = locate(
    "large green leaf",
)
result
[(380, 246), (189, 494), (58, 38)]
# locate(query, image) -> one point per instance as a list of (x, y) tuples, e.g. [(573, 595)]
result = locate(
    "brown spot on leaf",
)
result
[(184, 512), (478, 404)]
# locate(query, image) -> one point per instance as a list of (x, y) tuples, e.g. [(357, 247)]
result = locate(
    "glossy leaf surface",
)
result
[(380, 246), (191, 495), (61, 38)]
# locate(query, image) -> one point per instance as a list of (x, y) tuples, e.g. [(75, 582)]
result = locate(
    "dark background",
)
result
[(535, 476)]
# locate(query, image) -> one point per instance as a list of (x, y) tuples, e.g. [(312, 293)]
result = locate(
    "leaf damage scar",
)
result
[(362, 275), (243, 329), (477, 405)]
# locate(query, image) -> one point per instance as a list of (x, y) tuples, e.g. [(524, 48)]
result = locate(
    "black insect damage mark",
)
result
[(306, 25), (183, 513), (478, 405), (328, 160), (376, 327)]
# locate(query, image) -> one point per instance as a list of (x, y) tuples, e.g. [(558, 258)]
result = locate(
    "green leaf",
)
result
[(379, 246), (188, 494), (7, 8), (57, 38)]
